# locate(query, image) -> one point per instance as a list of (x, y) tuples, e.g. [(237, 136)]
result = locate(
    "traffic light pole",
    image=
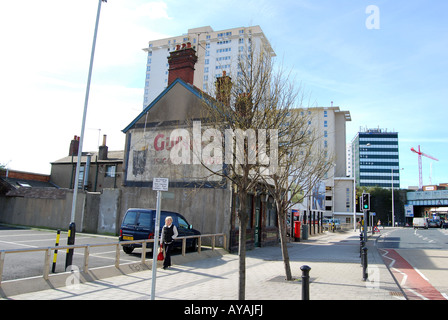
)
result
[(365, 210), (365, 225)]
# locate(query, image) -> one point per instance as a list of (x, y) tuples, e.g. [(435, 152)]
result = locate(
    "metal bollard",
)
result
[(364, 264), (360, 249), (70, 241), (58, 235), (361, 244), (305, 282)]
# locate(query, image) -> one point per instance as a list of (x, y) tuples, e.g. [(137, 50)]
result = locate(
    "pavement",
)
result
[(336, 274)]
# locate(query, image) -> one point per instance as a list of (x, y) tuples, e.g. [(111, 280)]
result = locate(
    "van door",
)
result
[(129, 224), (144, 226)]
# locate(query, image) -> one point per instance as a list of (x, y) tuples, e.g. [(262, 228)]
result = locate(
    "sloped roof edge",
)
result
[(191, 88)]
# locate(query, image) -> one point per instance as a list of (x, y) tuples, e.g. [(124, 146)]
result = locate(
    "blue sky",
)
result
[(394, 77)]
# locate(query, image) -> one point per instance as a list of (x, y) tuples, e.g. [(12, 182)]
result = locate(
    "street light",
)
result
[(78, 164), (393, 210)]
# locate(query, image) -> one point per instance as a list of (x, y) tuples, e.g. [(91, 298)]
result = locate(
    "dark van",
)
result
[(138, 224)]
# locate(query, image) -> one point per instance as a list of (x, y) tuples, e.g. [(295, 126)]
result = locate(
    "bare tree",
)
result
[(240, 110), (261, 102), (302, 165)]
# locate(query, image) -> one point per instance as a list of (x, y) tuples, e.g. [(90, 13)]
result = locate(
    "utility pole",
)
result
[(78, 164)]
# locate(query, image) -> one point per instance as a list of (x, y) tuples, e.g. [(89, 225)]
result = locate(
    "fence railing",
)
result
[(48, 250)]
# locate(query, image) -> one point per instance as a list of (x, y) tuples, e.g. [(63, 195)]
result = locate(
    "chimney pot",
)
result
[(223, 88), (74, 146), (103, 150), (181, 64)]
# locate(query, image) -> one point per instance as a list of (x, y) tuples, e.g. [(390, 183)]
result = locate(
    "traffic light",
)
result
[(366, 201)]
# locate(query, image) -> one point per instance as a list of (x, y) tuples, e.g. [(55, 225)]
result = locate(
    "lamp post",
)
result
[(78, 164), (393, 202)]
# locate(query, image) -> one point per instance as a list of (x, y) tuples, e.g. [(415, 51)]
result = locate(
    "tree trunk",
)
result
[(283, 243), (242, 215)]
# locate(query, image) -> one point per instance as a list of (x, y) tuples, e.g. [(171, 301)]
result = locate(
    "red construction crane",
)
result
[(420, 154)]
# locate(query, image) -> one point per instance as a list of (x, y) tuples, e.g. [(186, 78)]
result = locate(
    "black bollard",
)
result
[(305, 282), (70, 241), (360, 249), (361, 244), (364, 264)]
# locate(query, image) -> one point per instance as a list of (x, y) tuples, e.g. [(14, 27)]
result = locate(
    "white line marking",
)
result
[(417, 294), (421, 274)]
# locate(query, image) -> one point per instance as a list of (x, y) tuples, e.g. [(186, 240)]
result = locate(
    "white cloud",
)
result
[(154, 10)]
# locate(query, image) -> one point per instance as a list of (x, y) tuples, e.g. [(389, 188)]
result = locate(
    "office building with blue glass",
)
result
[(375, 158)]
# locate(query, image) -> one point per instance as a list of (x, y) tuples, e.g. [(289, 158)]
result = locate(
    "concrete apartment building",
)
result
[(216, 51), (334, 196)]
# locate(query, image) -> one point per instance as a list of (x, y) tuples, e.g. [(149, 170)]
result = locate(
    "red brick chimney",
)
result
[(181, 63), (223, 88), (74, 147)]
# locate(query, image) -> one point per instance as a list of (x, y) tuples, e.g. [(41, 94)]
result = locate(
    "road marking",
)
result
[(417, 294), (23, 235), (416, 285), (18, 244), (421, 274)]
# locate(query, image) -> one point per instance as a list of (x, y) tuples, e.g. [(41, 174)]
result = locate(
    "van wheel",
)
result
[(128, 249)]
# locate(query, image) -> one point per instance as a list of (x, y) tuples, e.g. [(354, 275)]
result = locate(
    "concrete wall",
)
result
[(109, 211), (208, 210), (95, 212), (41, 210)]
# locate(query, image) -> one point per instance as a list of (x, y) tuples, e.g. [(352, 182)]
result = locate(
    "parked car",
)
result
[(139, 224), (420, 223), (328, 223), (433, 223)]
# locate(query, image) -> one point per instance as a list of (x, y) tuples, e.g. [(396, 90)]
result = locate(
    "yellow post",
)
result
[(55, 256)]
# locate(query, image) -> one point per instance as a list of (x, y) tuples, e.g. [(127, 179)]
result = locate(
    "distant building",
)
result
[(375, 158), (13, 181), (99, 169), (216, 51)]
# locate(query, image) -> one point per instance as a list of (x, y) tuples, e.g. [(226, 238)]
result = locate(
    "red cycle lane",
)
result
[(414, 285)]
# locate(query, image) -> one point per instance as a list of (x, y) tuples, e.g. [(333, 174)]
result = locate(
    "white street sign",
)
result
[(160, 184)]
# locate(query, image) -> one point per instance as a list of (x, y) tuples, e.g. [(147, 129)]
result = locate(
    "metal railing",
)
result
[(47, 251)]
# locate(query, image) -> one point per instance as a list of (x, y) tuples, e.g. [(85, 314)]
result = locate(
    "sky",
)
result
[(388, 67)]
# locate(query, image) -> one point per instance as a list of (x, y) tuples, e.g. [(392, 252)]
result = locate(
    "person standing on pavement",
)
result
[(169, 234)]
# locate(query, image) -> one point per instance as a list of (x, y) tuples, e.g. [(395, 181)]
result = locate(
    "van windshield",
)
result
[(130, 217), (145, 219)]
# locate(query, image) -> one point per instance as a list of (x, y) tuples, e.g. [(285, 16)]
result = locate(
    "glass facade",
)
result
[(376, 158)]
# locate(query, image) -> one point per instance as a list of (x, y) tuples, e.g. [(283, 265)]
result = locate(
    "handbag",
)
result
[(160, 256)]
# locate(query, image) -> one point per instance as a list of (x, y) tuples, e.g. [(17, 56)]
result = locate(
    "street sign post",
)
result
[(159, 185)]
